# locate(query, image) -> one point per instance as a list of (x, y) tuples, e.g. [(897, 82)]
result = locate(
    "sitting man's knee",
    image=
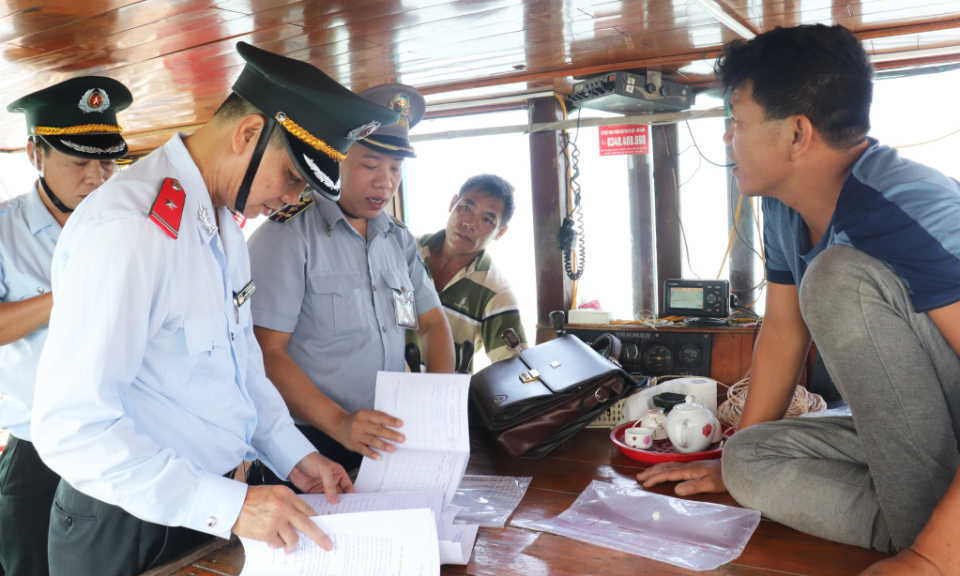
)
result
[(742, 469), (820, 279)]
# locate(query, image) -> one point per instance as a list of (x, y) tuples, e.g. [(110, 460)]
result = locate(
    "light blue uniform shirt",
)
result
[(28, 235), (333, 291), (149, 389)]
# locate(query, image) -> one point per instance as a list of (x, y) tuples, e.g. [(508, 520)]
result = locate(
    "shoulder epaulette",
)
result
[(291, 212), (167, 209), (399, 222)]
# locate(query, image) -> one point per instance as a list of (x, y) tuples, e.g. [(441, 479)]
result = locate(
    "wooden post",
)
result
[(643, 229), (548, 186), (666, 170), (744, 263)]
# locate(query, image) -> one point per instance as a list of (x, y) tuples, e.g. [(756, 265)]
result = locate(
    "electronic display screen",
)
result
[(687, 298)]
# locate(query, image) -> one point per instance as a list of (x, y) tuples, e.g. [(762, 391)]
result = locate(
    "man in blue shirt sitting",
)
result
[(862, 255)]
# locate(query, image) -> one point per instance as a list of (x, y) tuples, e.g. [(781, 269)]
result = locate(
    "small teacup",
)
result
[(640, 438)]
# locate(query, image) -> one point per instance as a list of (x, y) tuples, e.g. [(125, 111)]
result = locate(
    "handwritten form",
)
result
[(433, 408), (386, 543)]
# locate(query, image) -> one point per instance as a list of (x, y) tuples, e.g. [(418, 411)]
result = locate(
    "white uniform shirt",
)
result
[(149, 389), (28, 235)]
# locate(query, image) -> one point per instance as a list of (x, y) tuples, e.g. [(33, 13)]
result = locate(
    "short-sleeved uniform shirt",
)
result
[(28, 236), (479, 303), (333, 291), (896, 210)]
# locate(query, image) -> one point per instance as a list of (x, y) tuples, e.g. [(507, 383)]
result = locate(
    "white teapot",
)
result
[(691, 426)]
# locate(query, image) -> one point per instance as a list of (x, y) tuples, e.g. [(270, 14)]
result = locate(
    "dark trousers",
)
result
[(91, 538), (326, 445), (27, 487)]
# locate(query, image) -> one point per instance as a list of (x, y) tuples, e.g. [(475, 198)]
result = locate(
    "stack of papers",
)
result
[(400, 521), (433, 408), (391, 543)]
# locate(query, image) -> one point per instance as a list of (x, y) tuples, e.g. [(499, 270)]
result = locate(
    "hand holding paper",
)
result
[(316, 473), (367, 429)]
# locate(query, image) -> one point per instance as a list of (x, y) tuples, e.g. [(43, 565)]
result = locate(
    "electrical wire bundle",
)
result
[(571, 239), (731, 410)]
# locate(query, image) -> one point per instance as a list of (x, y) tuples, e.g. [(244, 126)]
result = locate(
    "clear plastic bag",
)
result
[(694, 535), (489, 500)]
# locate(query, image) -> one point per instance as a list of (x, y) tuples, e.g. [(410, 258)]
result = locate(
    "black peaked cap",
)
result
[(78, 116), (320, 119)]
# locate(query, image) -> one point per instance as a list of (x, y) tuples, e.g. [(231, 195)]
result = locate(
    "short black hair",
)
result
[(821, 72), (236, 107), (494, 186)]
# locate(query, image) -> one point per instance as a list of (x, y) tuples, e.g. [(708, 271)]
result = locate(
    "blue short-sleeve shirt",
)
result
[(28, 236), (896, 210)]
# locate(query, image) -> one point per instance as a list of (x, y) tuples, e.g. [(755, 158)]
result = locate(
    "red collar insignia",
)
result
[(168, 207)]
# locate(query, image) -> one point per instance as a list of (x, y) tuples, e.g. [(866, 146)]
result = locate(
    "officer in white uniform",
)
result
[(74, 140), (151, 386), (335, 307)]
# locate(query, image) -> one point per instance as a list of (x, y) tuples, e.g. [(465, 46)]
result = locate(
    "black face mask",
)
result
[(262, 142)]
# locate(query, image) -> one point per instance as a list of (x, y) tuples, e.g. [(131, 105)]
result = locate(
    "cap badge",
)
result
[(363, 131), (400, 104), (94, 100), (324, 179), (205, 223)]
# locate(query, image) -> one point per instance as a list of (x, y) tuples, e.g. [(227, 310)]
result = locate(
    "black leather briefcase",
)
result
[(536, 401)]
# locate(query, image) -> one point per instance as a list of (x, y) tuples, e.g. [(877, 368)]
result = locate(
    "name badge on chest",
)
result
[(240, 298), (406, 308)]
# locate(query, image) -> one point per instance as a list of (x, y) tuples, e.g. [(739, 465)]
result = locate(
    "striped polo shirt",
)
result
[(479, 302), (896, 210)]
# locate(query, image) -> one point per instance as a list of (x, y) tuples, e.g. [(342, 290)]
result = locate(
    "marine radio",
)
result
[(697, 298)]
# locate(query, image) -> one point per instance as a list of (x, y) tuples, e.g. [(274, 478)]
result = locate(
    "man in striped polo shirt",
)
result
[(478, 299)]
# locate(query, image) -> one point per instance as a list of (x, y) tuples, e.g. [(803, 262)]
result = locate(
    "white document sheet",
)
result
[(387, 543), (456, 540), (378, 502), (433, 408)]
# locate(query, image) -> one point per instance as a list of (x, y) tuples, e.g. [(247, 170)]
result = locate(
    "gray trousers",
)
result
[(91, 538), (871, 480)]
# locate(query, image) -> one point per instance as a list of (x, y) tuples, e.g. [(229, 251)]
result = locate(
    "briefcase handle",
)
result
[(607, 345)]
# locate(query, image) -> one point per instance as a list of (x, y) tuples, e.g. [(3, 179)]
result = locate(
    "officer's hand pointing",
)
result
[(272, 513)]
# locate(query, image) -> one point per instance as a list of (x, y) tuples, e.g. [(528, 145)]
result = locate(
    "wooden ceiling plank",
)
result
[(11, 7), (901, 16), (390, 16), (589, 54), (479, 32), (184, 61), (52, 14), (10, 55), (258, 6), (94, 62), (107, 26)]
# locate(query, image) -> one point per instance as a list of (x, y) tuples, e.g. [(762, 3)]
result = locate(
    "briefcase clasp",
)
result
[(528, 377)]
